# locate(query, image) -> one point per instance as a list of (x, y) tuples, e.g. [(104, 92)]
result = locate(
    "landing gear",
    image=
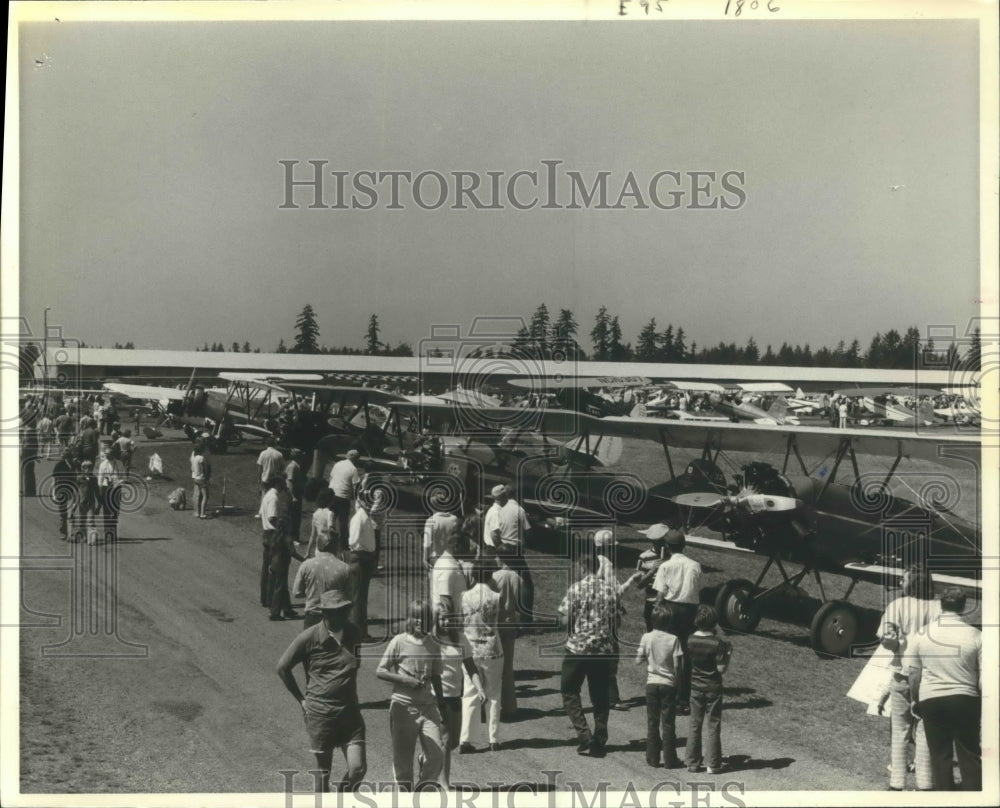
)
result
[(834, 628), (735, 606), (835, 625)]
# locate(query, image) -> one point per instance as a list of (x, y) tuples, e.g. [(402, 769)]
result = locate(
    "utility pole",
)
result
[(45, 346)]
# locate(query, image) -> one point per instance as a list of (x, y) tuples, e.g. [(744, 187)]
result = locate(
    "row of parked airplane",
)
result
[(838, 501)]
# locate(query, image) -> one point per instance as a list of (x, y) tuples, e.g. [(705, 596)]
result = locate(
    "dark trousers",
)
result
[(265, 563), (342, 513), (280, 600), (111, 506), (295, 518), (362, 568), (597, 671), (954, 720), (706, 708), (661, 740), (683, 627)]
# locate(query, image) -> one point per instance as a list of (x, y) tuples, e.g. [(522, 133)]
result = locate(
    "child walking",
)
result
[(412, 663), (709, 658), (662, 653)]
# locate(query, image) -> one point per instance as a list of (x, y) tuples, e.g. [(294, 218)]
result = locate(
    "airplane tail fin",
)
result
[(778, 409)]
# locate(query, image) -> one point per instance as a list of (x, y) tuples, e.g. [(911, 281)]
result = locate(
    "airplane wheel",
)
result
[(735, 608), (834, 628)]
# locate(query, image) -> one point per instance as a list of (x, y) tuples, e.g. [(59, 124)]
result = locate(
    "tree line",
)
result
[(546, 337)]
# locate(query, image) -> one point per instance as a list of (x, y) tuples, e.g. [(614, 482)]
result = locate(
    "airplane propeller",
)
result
[(752, 502)]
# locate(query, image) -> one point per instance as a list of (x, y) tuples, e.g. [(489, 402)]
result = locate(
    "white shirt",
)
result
[(361, 535), (949, 656), (321, 530), (448, 579), (679, 579), (510, 519), (269, 510), (910, 616), (343, 477), (110, 472), (438, 529), (272, 464)]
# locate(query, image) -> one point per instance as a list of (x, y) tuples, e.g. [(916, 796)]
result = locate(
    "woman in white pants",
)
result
[(480, 613)]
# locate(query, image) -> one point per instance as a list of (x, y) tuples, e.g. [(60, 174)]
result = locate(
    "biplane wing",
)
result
[(145, 391)]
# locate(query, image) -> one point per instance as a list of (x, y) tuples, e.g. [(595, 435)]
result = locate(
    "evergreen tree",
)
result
[(564, 332), (768, 358), (680, 349), (235, 348), (616, 351), (538, 330), (372, 343), (751, 354), (246, 347), (974, 356), (665, 350), (307, 332), (646, 347), (281, 347), (600, 335)]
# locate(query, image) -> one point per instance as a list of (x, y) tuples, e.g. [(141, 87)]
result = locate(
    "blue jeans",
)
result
[(706, 707), (661, 741)]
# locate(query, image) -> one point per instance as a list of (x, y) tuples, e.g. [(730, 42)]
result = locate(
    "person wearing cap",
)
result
[(678, 582), (648, 564), (362, 560), (344, 482), (328, 652), (318, 574), (295, 480), (944, 665), (504, 529), (604, 546)]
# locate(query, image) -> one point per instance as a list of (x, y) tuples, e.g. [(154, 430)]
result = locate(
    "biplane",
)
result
[(849, 510), (829, 502), (249, 404), (887, 405)]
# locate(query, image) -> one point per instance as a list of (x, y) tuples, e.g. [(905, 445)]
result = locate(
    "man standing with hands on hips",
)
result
[(678, 583)]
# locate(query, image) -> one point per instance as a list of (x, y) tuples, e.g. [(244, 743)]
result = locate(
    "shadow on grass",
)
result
[(533, 673), (531, 692), (538, 743), (744, 763)]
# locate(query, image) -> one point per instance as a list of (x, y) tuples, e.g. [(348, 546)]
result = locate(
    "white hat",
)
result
[(498, 491), (655, 532)]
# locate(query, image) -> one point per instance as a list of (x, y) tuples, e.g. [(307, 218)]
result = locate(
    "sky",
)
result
[(151, 184)]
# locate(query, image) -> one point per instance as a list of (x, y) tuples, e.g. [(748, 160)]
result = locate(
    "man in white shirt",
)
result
[(504, 529), (439, 531), (447, 578), (271, 461), (678, 584), (944, 667), (344, 481), (362, 561)]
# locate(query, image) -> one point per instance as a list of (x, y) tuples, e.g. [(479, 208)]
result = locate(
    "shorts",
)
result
[(329, 732), (451, 721)]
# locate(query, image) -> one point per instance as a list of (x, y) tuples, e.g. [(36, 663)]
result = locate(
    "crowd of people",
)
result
[(93, 459), (452, 669)]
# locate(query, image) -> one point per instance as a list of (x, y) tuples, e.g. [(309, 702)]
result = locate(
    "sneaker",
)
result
[(583, 748), (673, 764), (291, 614), (621, 706), (597, 750), (716, 769), (694, 768), (466, 748)]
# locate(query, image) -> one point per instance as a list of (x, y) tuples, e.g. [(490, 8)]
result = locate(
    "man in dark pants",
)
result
[(678, 583), (944, 667), (64, 490), (295, 478), (592, 610), (282, 552)]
